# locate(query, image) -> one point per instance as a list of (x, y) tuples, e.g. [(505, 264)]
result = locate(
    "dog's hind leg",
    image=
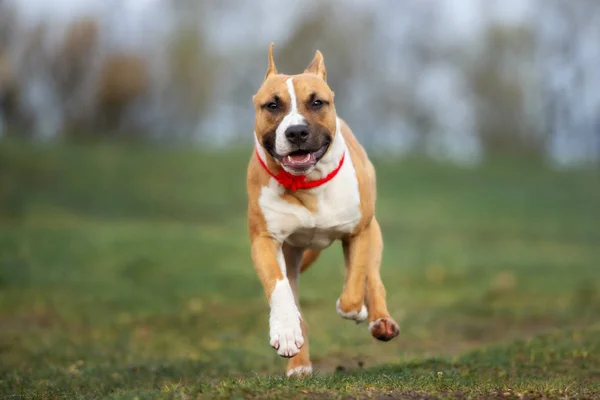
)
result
[(381, 324), (308, 258), (300, 364)]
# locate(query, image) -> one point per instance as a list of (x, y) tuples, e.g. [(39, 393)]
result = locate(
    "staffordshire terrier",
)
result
[(310, 183)]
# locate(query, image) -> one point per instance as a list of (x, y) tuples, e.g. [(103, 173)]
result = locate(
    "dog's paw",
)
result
[(302, 370), (355, 315), (384, 329), (284, 321), (287, 338)]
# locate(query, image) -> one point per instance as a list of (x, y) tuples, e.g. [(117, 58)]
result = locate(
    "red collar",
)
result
[(298, 182)]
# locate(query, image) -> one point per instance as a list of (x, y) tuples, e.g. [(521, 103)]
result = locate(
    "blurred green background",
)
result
[(119, 257)]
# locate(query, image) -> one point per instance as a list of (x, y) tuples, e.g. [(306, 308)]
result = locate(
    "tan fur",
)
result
[(362, 246), (308, 258), (317, 66), (271, 70)]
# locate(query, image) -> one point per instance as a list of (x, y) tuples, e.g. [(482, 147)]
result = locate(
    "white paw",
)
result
[(286, 338), (302, 370), (358, 316), (284, 322)]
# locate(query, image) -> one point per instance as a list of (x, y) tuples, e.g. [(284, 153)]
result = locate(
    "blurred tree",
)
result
[(193, 73), (74, 71), (501, 78), (8, 78), (343, 43), (568, 55), (123, 79)]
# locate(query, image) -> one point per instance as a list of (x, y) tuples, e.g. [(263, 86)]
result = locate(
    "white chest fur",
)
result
[(338, 211)]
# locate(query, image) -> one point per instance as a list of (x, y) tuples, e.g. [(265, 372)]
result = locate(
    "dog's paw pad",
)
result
[(384, 329), (302, 370), (355, 315)]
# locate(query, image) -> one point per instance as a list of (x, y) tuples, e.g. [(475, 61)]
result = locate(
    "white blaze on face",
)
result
[(293, 117)]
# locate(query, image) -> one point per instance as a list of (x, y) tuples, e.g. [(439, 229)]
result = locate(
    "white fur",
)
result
[(358, 316), (293, 117), (284, 322), (302, 370), (338, 204), (373, 323)]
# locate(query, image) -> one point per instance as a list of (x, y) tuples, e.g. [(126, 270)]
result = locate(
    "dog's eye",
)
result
[(272, 106), (317, 104)]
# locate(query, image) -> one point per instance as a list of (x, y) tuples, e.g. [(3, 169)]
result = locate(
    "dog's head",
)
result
[(295, 116)]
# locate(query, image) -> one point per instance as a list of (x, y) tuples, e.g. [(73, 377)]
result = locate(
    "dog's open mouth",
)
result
[(302, 160)]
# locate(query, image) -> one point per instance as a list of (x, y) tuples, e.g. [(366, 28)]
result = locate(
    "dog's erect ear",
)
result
[(317, 66), (271, 70)]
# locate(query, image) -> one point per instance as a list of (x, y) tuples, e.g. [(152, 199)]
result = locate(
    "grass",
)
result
[(125, 272)]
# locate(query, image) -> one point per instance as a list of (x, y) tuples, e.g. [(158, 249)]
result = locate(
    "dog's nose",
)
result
[(296, 134)]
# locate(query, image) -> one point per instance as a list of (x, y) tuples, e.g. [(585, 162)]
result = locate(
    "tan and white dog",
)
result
[(310, 183)]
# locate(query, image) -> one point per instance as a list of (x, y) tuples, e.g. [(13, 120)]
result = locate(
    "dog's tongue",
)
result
[(299, 160)]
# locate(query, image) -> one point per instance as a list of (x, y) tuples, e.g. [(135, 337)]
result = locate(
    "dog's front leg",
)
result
[(284, 321), (357, 254)]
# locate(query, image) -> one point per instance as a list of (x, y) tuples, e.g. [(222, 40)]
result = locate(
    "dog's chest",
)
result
[(337, 212)]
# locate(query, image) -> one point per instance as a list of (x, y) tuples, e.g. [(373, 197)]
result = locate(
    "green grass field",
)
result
[(125, 272)]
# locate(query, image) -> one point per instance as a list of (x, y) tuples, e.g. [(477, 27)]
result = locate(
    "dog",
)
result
[(309, 184)]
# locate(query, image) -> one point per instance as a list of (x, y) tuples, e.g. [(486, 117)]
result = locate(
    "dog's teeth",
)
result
[(292, 160)]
